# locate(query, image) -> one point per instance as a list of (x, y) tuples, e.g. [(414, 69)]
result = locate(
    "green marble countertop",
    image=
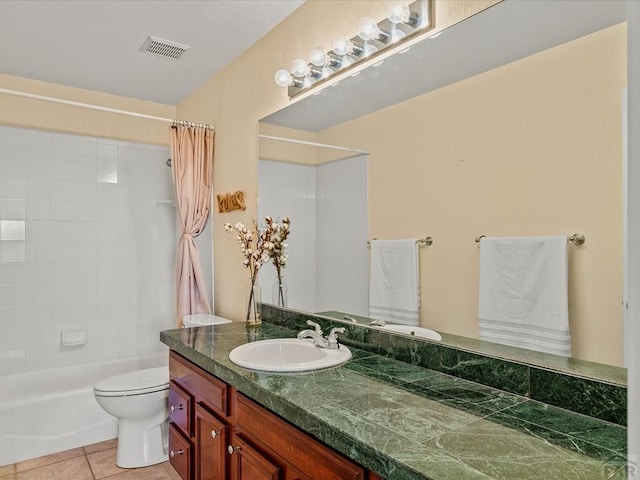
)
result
[(406, 422)]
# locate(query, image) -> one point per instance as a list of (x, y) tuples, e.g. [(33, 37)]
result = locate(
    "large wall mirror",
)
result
[(509, 123)]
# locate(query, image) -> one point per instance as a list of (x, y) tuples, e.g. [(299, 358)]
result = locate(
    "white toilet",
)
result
[(139, 401)]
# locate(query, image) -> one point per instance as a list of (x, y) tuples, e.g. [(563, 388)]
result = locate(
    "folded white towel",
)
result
[(523, 297), (394, 289)]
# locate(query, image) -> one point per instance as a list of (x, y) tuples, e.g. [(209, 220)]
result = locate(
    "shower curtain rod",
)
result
[(102, 109), (313, 144)]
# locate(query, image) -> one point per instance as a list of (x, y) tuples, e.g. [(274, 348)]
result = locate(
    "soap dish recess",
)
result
[(72, 337)]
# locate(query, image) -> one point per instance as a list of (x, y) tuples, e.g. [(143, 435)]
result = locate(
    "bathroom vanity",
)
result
[(214, 429), (374, 417)]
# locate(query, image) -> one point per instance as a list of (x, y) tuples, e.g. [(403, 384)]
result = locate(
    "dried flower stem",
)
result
[(277, 254), (254, 258)]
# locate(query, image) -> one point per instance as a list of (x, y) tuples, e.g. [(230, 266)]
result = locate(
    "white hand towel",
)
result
[(394, 289), (523, 298)]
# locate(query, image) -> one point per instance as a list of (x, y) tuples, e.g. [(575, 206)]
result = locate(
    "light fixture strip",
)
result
[(403, 24)]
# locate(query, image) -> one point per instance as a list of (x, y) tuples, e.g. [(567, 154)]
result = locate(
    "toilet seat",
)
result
[(139, 382)]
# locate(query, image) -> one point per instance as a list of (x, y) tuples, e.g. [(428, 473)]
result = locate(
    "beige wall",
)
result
[(287, 151), (236, 98), (531, 148), (30, 113)]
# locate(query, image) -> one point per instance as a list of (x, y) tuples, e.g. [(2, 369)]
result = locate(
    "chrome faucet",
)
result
[(316, 335), (377, 323), (331, 341)]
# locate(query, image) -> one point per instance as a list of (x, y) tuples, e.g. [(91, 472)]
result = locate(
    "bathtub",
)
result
[(52, 410)]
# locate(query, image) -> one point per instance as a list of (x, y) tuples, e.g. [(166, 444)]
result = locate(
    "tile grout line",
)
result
[(13, 473), (86, 458)]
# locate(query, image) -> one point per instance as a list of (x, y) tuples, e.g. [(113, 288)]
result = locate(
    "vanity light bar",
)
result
[(403, 22)]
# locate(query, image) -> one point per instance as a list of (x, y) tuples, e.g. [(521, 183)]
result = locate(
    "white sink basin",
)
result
[(419, 332), (287, 355)]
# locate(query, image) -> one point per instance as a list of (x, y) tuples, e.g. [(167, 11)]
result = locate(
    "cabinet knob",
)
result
[(214, 434), (173, 408), (232, 449), (179, 452)]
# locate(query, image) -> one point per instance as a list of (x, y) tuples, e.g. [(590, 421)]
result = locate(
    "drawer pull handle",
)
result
[(174, 408), (179, 452), (232, 449), (214, 434)]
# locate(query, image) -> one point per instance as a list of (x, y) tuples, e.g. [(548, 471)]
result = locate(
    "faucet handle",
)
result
[(332, 339), (313, 324)]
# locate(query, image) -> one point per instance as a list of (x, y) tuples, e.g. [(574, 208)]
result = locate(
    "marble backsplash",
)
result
[(588, 396)]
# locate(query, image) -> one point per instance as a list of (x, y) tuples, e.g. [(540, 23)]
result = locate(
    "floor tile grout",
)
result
[(86, 451)]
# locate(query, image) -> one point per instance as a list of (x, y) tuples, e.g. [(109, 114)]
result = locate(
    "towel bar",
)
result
[(421, 241), (576, 238)]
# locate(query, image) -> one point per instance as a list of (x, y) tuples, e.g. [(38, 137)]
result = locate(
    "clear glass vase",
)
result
[(253, 304), (280, 293)]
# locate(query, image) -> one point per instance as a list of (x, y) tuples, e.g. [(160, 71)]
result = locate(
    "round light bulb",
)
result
[(400, 13), (347, 62), (283, 78), (370, 49), (341, 45), (299, 68), (368, 29), (397, 35), (318, 57)]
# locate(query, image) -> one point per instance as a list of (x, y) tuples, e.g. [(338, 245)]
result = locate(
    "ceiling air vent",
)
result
[(163, 48)]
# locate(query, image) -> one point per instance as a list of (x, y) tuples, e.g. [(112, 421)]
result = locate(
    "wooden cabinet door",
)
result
[(248, 463), (293, 474), (210, 446), (179, 452), (291, 446)]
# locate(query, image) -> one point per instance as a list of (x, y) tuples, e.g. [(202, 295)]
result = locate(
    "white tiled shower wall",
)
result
[(287, 189), (328, 265), (342, 268), (87, 239)]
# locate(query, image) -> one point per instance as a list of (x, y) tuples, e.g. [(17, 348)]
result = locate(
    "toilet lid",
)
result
[(135, 383)]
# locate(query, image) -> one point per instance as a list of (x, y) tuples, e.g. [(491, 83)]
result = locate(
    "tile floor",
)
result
[(93, 462)]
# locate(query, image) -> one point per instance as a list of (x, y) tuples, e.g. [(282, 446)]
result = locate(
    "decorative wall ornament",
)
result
[(231, 201)]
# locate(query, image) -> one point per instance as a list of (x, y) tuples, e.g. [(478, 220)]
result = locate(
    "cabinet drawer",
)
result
[(200, 383), (180, 453), (301, 451), (180, 408)]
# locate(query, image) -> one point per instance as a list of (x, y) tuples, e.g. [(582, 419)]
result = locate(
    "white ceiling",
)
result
[(95, 44)]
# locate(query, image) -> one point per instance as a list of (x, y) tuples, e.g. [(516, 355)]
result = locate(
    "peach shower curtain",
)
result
[(191, 167)]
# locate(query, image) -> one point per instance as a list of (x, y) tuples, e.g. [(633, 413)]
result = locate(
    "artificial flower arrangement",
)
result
[(278, 254), (269, 245)]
